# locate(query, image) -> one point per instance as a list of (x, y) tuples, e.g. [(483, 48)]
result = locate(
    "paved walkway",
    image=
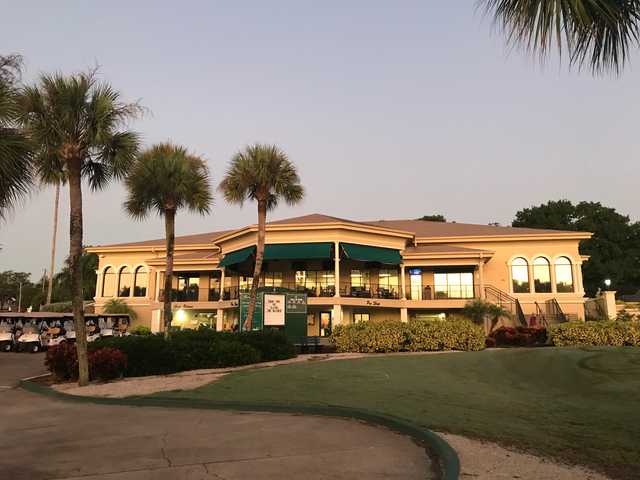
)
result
[(45, 438)]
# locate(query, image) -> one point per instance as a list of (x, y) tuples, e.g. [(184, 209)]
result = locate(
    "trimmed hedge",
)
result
[(105, 363), (604, 333), (196, 349), (517, 337), (454, 333)]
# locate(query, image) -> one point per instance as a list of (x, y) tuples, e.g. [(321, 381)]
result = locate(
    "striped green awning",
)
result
[(238, 256), (365, 253), (298, 251)]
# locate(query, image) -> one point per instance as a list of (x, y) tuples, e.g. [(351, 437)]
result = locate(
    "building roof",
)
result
[(189, 256), (423, 228), (419, 228)]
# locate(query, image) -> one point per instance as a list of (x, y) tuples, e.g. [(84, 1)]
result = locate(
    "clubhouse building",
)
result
[(352, 271)]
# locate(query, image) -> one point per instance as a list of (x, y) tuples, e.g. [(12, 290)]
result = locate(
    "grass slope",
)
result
[(578, 405)]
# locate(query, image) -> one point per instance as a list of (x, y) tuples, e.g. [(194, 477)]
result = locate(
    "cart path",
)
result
[(41, 437)]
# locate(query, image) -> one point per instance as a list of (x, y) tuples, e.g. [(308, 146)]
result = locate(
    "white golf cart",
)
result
[(31, 339), (7, 334)]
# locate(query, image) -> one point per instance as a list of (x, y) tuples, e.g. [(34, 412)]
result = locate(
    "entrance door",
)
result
[(325, 324)]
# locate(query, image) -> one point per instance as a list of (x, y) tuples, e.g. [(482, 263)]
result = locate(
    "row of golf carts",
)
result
[(36, 331)]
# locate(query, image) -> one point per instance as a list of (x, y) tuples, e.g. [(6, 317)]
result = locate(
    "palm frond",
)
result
[(597, 33)]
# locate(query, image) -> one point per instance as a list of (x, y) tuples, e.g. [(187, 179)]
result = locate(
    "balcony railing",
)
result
[(190, 294), (233, 293), (370, 291)]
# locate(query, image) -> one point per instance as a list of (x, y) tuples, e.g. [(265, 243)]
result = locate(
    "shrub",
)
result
[(195, 349), (141, 330), (518, 337), (625, 316), (455, 333), (107, 363), (62, 361), (120, 306), (606, 333)]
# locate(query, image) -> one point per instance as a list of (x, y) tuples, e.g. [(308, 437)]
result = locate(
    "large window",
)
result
[(564, 275), (541, 275), (388, 282), (272, 279), (140, 282), (316, 283), (124, 282), (188, 288), (520, 275), (453, 285), (360, 317), (108, 282), (360, 278)]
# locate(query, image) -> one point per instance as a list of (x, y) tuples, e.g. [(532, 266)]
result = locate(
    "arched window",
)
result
[(564, 275), (542, 275), (520, 275), (108, 282), (140, 282), (124, 282)]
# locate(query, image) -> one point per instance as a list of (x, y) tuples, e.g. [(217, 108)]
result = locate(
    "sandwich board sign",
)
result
[(274, 310)]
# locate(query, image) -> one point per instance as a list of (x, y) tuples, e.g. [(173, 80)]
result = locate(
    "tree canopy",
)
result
[(436, 217), (614, 249)]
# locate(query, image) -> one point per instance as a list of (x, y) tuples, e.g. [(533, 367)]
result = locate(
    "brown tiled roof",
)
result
[(310, 219), (197, 238), (422, 228), (440, 249)]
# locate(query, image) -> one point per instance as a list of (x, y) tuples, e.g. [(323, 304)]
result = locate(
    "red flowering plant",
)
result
[(107, 363)]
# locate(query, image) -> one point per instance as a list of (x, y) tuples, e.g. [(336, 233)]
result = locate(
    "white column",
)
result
[(531, 285), (336, 267), (404, 315), (157, 292), (481, 277), (609, 302), (577, 278), (403, 282), (552, 271), (219, 320), (336, 317), (221, 285), (99, 280)]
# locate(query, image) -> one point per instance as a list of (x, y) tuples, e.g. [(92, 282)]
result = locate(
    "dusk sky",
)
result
[(389, 110)]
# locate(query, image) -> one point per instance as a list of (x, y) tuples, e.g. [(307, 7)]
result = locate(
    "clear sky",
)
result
[(389, 109)]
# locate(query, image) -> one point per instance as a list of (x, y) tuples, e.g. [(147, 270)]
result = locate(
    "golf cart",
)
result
[(53, 335), (93, 332), (7, 334), (31, 339), (106, 326)]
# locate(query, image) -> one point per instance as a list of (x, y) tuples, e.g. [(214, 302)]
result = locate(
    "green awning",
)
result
[(238, 256), (364, 253), (298, 251)]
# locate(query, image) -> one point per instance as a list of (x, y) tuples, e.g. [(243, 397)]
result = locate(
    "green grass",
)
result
[(577, 405)]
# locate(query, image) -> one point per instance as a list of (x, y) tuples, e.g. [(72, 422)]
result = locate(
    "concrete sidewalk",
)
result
[(41, 437)]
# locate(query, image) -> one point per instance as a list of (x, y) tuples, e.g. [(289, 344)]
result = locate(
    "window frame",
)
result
[(525, 288), (536, 267)]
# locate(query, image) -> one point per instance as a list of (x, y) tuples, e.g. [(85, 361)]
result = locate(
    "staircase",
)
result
[(554, 312), (506, 301)]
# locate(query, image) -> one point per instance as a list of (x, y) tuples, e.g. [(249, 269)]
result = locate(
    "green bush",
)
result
[(454, 333), (605, 333), (141, 330), (196, 349)]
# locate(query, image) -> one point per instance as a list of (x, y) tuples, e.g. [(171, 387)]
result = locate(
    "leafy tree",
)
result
[(120, 306), (165, 179), (597, 33), (264, 174), (433, 218), (15, 150), (77, 128), (62, 280), (614, 249)]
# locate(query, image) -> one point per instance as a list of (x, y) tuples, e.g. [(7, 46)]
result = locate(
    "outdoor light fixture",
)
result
[(607, 282)]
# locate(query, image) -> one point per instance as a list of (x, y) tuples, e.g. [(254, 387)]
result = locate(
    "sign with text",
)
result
[(297, 303), (274, 309)]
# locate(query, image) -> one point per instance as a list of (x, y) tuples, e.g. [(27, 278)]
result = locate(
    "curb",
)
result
[(446, 457)]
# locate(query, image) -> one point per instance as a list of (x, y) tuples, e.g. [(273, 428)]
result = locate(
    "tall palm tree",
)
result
[(264, 174), (165, 179), (597, 33), (15, 167), (78, 128), (54, 238)]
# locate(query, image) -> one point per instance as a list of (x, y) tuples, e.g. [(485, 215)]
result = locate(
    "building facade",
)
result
[(352, 271)]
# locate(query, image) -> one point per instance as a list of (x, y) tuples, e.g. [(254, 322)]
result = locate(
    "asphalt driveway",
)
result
[(44, 438)]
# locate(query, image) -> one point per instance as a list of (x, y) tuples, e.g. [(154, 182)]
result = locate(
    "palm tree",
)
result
[(264, 174), (15, 150), (479, 311), (77, 126), (165, 179), (598, 33), (54, 238)]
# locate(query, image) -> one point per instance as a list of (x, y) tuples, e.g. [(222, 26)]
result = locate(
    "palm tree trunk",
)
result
[(75, 252), (53, 243), (262, 221), (170, 233)]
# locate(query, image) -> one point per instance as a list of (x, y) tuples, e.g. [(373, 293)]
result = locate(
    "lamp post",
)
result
[(607, 283)]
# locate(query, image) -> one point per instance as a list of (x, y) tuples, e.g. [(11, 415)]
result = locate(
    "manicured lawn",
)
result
[(579, 405)]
